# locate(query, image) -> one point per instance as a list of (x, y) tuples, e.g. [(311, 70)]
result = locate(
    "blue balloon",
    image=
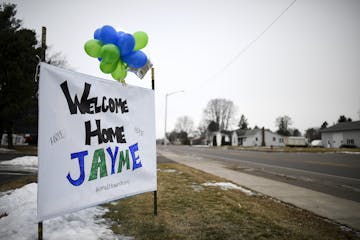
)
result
[(97, 34), (126, 43), (136, 59), (108, 35)]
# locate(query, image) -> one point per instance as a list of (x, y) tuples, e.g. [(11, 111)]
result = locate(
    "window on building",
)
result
[(256, 139), (281, 140), (274, 139), (350, 141)]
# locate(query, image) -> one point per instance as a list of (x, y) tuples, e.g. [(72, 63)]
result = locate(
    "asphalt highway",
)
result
[(337, 174)]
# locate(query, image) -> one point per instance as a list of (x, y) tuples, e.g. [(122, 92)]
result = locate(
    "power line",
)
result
[(250, 44)]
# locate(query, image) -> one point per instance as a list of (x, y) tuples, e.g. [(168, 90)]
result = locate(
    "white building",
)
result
[(255, 137), (220, 138), (345, 134), (246, 138)]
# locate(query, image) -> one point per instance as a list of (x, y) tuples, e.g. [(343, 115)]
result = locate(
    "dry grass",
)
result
[(27, 150), (188, 210), (18, 183)]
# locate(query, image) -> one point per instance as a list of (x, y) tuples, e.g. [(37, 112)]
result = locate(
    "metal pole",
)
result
[(153, 79), (153, 88), (155, 203), (166, 96), (43, 51)]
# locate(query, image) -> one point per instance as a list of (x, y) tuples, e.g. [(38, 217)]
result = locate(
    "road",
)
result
[(11, 173), (337, 174)]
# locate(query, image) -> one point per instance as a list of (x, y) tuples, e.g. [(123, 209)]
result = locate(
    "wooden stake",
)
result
[(43, 43), (153, 88), (153, 79), (40, 231)]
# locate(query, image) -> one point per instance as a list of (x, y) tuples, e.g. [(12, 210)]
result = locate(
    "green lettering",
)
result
[(123, 161), (96, 164)]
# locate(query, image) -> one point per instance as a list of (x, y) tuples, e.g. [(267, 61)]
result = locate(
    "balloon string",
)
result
[(37, 70)]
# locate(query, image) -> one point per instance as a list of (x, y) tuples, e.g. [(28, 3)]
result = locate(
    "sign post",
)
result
[(43, 54), (153, 88)]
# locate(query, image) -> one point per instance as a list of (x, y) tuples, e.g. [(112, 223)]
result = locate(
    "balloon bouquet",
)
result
[(117, 52)]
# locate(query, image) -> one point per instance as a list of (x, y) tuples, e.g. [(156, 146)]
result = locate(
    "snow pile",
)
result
[(27, 162), (20, 222), (228, 185), (197, 188), (169, 171)]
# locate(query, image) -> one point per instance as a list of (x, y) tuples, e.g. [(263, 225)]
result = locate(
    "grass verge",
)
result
[(18, 183), (189, 210)]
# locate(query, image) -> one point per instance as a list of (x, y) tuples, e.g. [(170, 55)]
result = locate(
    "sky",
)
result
[(305, 66)]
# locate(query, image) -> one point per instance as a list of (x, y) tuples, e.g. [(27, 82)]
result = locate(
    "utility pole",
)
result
[(166, 97)]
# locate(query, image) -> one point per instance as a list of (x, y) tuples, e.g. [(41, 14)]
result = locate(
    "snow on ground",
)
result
[(26, 162), (20, 223), (228, 185)]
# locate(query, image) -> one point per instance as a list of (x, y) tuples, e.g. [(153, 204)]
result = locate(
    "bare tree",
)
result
[(221, 111), (184, 124), (202, 128)]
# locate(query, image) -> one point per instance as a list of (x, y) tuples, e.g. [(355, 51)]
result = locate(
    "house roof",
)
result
[(343, 126), (251, 132)]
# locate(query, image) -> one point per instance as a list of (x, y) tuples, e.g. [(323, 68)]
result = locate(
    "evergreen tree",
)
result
[(324, 125), (296, 132), (312, 134), (283, 123), (243, 123), (17, 63), (342, 118)]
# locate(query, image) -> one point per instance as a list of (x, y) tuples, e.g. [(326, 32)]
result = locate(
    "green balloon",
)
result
[(141, 40), (93, 47), (120, 72), (107, 67), (110, 53)]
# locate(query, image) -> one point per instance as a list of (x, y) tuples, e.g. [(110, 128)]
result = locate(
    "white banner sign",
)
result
[(96, 141)]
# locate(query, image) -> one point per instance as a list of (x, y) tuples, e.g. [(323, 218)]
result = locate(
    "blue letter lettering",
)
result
[(113, 158), (136, 159), (80, 156)]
